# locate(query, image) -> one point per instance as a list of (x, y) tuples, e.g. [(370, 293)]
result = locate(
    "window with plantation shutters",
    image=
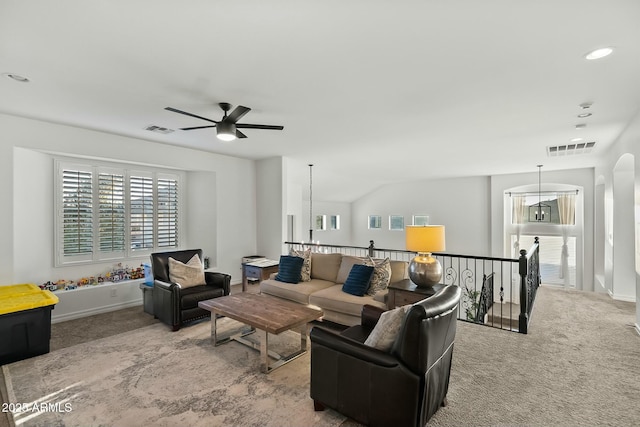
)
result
[(112, 215), (167, 213), (141, 216), (77, 212), (108, 212)]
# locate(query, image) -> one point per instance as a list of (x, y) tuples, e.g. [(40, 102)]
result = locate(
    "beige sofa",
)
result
[(324, 290)]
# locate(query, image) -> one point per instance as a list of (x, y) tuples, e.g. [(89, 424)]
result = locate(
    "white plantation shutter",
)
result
[(141, 212), (167, 209), (112, 219), (106, 212), (77, 212)]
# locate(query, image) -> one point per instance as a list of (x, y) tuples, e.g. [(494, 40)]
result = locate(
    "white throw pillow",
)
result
[(186, 275), (387, 328)]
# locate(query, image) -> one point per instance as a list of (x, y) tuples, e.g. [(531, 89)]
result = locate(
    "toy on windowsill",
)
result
[(117, 274)]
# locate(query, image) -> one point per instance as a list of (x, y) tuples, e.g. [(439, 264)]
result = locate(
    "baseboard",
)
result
[(94, 310), (625, 298)]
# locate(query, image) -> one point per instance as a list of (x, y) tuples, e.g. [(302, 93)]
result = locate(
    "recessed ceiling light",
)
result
[(599, 53), (581, 126), (576, 139), (583, 115), (585, 105), (16, 77)]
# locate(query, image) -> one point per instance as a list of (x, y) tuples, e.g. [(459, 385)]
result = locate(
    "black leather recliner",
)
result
[(175, 306), (404, 387)]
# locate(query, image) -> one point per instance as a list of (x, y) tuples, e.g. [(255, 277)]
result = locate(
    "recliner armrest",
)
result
[(221, 280), (165, 285), (348, 346)]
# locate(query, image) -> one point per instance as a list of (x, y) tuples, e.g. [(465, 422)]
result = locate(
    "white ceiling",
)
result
[(370, 91)]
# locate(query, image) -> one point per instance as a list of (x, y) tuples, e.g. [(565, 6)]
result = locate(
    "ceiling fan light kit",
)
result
[(227, 129)]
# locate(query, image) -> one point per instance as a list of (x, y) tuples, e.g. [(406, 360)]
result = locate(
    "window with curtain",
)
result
[(543, 208), (109, 212)]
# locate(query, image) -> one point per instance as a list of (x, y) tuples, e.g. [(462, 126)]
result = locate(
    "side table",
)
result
[(406, 292), (257, 271)]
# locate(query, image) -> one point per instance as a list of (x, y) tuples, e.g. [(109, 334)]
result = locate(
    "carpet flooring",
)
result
[(578, 366)]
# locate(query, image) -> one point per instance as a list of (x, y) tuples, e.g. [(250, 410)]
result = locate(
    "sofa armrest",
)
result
[(348, 346), (370, 315)]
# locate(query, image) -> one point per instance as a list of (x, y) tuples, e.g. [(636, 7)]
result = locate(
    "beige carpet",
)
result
[(579, 366), (153, 377)]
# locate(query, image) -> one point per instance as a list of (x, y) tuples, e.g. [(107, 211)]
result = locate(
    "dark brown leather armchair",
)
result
[(175, 306), (402, 388)]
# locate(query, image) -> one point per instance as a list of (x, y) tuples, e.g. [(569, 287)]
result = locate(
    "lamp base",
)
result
[(424, 270)]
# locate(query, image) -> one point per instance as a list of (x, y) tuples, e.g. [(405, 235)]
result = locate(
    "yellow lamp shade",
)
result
[(425, 238)]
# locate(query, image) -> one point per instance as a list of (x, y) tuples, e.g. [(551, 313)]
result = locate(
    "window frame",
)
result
[(127, 171)]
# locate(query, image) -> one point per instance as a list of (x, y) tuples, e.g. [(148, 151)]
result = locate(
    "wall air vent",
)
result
[(570, 149), (158, 129)]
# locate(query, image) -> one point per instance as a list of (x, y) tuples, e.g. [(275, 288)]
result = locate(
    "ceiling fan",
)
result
[(227, 129)]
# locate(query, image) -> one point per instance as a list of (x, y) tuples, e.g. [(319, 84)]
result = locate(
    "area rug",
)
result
[(578, 366), (154, 377)]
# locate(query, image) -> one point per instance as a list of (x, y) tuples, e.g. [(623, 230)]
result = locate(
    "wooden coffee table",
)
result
[(267, 315)]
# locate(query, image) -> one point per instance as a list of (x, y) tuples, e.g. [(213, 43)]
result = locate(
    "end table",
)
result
[(406, 292)]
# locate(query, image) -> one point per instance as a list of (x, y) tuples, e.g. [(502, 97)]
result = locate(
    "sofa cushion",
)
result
[(187, 275), (358, 281), (306, 265), (387, 328), (346, 263), (325, 266), (333, 299), (298, 293), (289, 269), (381, 274)]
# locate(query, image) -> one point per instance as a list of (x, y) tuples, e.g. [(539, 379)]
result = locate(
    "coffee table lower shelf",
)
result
[(262, 314)]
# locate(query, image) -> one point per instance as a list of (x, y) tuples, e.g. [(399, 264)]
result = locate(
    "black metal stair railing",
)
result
[(497, 292)]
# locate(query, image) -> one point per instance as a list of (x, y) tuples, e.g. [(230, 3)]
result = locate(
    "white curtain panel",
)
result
[(517, 218), (567, 210)]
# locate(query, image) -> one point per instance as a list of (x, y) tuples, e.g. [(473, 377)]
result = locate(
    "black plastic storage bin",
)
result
[(147, 297), (25, 334)]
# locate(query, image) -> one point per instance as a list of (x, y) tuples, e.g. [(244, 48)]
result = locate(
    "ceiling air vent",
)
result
[(159, 129), (570, 149)]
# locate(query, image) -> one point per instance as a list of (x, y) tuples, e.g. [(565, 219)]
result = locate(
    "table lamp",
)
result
[(425, 270)]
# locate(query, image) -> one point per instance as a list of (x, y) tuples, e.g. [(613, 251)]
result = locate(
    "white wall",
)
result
[(461, 205), (271, 206), (221, 200), (202, 214), (328, 236), (627, 143)]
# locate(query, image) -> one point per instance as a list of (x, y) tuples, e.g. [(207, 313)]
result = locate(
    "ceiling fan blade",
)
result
[(237, 114), (189, 114), (250, 126), (198, 127), (240, 134)]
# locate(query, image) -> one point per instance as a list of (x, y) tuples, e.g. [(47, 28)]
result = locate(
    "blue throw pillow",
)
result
[(358, 281), (290, 269)]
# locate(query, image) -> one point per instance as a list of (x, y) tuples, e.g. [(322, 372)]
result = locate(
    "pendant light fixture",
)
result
[(540, 212), (310, 202)]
